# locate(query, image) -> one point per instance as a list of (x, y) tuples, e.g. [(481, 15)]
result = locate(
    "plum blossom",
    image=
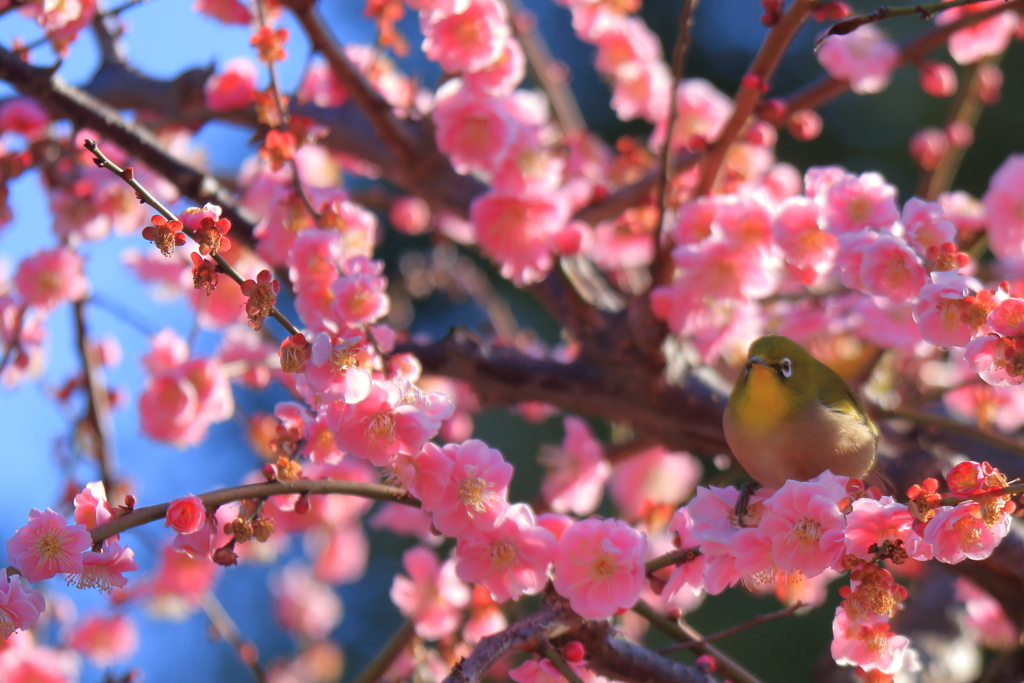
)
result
[(1004, 208), (186, 515), (32, 664), (626, 40), (474, 130), (20, 606), (104, 570), (303, 605), (869, 646), (576, 472), (232, 88), (986, 38), (509, 560), (599, 566), (91, 506), (381, 425), (702, 111), (431, 595), (502, 76), (47, 546), (179, 583), (853, 203), (469, 39), (939, 312), (984, 618), (962, 532), (336, 371), (518, 233), (473, 497), (105, 639), (24, 115), (360, 296), (652, 478), (890, 269), (807, 248), (805, 525), (865, 58), (874, 522), (51, 277)]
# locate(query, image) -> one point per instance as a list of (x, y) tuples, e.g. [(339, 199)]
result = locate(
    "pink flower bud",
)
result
[(186, 515), (990, 83), (573, 651), (966, 479), (410, 215), (928, 146), (938, 79), (804, 125), (960, 134), (762, 133)]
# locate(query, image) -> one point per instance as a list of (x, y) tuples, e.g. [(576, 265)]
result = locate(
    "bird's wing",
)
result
[(842, 399)]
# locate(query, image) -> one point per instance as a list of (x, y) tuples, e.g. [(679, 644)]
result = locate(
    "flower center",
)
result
[(806, 532), (896, 273), (473, 494), (6, 624), (51, 546), (503, 554), (382, 428), (859, 209), (604, 565)]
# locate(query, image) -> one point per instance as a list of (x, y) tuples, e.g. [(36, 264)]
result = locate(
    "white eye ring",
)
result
[(786, 367)]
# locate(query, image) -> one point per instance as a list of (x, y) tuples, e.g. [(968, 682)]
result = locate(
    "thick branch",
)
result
[(623, 660)]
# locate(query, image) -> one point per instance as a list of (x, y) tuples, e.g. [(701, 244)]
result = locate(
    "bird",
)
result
[(790, 416)]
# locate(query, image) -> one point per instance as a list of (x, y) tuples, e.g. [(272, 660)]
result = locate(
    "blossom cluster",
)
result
[(805, 529)]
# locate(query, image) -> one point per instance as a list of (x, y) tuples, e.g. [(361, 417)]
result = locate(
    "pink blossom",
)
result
[(746, 220), (805, 524), (884, 323), (104, 639), (485, 619), (509, 560), (865, 58), (807, 248), (467, 40), (576, 472), (986, 38), (335, 371), (627, 40), (47, 545), (186, 514), (180, 582), (224, 11), (599, 567), (20, 606), (652, 478), (432, 595), (528, 168), (517, 233), (34, 664), (303, 605), (24, 115), (938, 79), (961, 532), (874, 522), (642, 90), (939, 313), (702, 111), (928, 146), (689, 575), (1004, 207), (1007, 318), (360, 295), (1000, 407), (502, 76), (694, 220), (474, 496), (984, 617), (91, 506), (314, 259), (871, 647), (167, 353), (48, 278), (320, 86), (965, 212), (232, 88), (180, 403), (543, 671), (474, 130), (854, 203), (404, 520), (852, 246), (104, 570), (410, 215), (925, 225), (555, 522), (891, 269), (381, 425), (340, 554)]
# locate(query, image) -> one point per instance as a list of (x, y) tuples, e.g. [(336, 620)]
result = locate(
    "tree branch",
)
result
[(215, 499), (98, 414), (925, 11)]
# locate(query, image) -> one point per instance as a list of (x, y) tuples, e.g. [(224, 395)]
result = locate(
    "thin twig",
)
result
[(946, 424), (394, 647), (724, 633), (671, 559), (228, 630), (548, 74), (98, 413), (103, 162), (682, 632), (924, 10), (553, 656), (283, 118), (15, 339), (913, 51), (996, 493), (750, 91), (121, 8), (215, 499), (661, 267)]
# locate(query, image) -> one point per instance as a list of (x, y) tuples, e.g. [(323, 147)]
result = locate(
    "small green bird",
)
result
[(790, 416)]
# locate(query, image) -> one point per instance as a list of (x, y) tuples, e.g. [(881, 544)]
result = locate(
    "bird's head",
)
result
[(779, 371)]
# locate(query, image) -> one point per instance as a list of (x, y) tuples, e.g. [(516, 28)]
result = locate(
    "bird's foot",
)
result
[(746, 491)]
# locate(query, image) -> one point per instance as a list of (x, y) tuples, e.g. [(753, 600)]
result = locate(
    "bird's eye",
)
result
[(786, 367)]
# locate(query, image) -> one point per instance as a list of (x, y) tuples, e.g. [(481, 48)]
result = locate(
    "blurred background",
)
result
[(164, 38)]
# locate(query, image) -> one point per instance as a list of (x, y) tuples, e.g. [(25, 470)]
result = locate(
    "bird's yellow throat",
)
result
[(763, 404)]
